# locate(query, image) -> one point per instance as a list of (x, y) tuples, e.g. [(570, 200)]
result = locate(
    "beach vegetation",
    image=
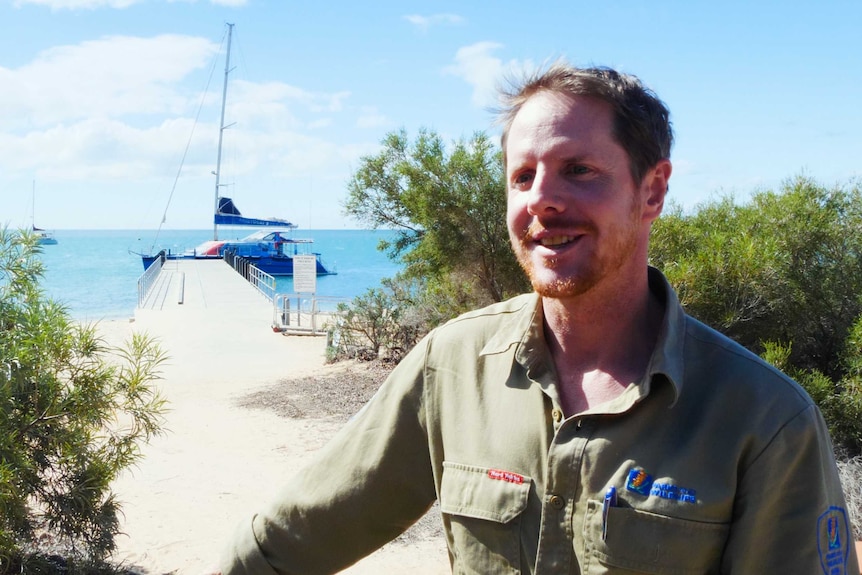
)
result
[(74, 413), (782, 275), (449, 210)]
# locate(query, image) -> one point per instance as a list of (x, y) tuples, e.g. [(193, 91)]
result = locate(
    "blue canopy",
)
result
[(229, 215)]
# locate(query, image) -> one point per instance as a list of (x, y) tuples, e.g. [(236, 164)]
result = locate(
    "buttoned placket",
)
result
[(565, 457)]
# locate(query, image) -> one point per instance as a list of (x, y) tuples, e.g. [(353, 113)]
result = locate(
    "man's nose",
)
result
[(545, 194)]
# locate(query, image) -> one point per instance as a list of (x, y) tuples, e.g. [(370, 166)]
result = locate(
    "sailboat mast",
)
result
[(221, 129)]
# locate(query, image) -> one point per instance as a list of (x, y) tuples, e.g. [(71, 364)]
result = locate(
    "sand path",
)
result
[(217, 461)]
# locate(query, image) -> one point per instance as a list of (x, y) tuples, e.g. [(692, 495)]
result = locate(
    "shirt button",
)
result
[(557, 502), (557, 415)]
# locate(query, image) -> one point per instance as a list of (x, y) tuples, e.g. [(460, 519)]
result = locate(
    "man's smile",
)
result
[(554, 241)]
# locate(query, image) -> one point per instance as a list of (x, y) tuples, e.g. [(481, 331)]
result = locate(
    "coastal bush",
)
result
[(383, 323), (782, 275), (73, 414), (448, 207), (387, 322), (785, 267), (449, 210)]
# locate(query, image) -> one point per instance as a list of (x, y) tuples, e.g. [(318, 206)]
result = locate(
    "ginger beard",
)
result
[(601, 253)]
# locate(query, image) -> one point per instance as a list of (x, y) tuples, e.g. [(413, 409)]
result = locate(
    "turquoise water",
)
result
[(94, 272)]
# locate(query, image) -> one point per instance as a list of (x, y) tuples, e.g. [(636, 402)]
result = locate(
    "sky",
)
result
[(109, 109)]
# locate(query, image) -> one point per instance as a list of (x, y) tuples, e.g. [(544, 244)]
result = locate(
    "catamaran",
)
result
[(271, 250)]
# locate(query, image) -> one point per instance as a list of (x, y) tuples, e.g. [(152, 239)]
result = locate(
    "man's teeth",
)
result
[(556, 240)]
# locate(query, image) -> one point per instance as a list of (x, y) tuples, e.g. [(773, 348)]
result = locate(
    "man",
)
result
[(589, 427)]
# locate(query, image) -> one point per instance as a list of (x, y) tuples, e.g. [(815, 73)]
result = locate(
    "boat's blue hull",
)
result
[(283, 265), (273, 265)]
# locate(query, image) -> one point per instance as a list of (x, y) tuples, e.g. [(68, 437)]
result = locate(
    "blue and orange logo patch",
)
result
[(641, 482)]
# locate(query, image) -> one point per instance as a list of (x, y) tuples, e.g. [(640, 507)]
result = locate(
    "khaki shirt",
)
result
[(719, 462)]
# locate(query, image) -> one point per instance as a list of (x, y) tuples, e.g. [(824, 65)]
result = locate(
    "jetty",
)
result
[(194, 284), (220, 458), (217, 290)]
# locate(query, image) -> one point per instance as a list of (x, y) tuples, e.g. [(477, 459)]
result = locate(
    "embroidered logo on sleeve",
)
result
[(639, 481), (501, 475), (833, 541)]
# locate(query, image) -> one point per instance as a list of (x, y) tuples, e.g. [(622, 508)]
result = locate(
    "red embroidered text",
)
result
[(505, 476)]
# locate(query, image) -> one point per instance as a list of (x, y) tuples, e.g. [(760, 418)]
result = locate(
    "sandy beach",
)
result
[(217, 459)]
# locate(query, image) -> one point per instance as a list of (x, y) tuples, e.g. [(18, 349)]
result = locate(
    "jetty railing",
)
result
[(304, 313), (263, 282), (147, 280)]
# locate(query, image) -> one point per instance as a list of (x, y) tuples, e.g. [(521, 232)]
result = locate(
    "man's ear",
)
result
[(655, 184)]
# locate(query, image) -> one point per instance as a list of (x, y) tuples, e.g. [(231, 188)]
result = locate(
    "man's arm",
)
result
[(789, 513), (364, 488)]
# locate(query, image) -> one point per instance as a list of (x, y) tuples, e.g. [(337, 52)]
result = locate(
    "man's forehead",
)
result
[(549, 104), (549, 119)]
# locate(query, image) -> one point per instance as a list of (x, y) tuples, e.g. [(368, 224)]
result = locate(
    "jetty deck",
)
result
[(204, 284), (209, 292)]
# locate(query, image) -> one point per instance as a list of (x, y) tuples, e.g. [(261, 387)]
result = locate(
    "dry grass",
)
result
[(850, 471), (339, 392)]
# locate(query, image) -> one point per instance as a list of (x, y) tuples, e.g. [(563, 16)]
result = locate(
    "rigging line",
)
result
[(188, 143)]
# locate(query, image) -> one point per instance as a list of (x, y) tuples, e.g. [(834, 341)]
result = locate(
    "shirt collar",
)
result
[(526, 330), (668, 356), (667, 359)]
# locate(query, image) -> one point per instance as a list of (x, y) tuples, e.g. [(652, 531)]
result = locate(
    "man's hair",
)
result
[(641, 122)]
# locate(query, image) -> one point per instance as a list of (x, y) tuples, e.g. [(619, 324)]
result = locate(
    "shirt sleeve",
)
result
[(789, 513), (365, 487)]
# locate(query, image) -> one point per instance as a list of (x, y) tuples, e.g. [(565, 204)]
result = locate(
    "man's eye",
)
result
[(577, 170), (522, 178)]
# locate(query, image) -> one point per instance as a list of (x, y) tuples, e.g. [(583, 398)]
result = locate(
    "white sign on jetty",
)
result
[(305, 273)]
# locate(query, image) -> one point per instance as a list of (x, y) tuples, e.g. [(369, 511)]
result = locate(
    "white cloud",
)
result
[(370, 117), (97, 149), (476, 65), (114, 115), (330, 102), (78, 4), (425, 22), (276, 105), (56, 5), (320, 123), (110, 77)]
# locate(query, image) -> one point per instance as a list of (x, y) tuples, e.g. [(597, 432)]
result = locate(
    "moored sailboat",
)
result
[(270, 250), (43, 237)]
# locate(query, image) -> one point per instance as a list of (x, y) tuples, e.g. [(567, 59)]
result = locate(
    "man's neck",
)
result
[(601, 342)]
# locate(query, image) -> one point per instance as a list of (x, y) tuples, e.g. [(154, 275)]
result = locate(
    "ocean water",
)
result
[(94, 273)]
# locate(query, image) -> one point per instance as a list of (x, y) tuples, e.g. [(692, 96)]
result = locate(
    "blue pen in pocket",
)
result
[(610, 501)]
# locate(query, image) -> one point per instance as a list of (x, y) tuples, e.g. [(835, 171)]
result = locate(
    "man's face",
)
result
[(575, 215)]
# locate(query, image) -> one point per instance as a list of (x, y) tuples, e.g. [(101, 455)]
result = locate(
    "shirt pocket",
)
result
[(482, 507), (644, 542)]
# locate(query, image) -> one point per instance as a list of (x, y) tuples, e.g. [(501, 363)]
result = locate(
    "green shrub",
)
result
[(73, 413), (786, 266), (383, 322), (782, 275)]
